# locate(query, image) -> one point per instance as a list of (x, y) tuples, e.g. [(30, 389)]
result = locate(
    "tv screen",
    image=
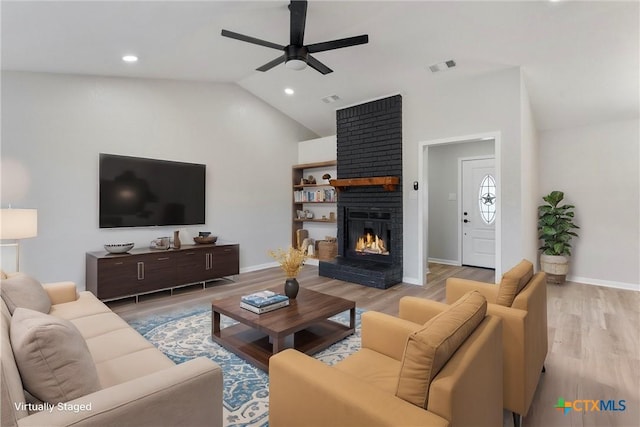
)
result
[(137, 192)]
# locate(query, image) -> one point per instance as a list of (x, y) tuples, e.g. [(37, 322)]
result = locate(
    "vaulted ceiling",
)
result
[(580, 59)]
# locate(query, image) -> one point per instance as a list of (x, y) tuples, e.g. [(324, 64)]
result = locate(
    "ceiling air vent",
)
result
[(442, 66), (330, 99)]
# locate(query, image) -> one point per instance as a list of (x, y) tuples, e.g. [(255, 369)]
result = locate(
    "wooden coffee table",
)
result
[(303, 325)]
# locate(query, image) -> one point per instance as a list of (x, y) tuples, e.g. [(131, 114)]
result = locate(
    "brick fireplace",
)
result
[(369, 181)]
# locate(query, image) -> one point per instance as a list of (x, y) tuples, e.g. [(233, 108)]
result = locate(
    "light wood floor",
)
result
[(594, 334)]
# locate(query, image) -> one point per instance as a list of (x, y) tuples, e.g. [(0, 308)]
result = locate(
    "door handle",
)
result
[(465, 220)]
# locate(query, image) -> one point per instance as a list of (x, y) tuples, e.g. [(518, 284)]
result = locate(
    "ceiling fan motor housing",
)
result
[(300, 53)]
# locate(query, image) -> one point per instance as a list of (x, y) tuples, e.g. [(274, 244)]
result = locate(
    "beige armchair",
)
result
[(524, 329), (365, 388)]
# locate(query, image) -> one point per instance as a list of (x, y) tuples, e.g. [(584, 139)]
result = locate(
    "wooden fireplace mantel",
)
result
[(389, 183)]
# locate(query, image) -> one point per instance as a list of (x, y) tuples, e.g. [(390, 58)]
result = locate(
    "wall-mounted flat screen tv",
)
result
[(138, 192)]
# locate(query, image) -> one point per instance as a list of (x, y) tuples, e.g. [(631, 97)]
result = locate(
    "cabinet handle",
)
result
[(228, 250), (141, 271), (118, 263), (209, 261), (163, 258), (190, 253)]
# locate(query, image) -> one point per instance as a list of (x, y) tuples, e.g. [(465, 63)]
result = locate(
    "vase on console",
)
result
[(176, 240)]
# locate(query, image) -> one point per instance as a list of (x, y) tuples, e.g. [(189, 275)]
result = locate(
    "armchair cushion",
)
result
[(21, 290), (53, 359), (428, 350), (513, 281)]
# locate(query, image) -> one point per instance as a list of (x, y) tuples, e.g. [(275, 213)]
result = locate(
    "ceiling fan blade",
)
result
[(298, 11), (318, 66), (269, 65), (337, 44), (253, 40)]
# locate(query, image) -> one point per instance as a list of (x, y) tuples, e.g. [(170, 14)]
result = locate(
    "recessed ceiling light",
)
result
[(289, 91), (130, 58)]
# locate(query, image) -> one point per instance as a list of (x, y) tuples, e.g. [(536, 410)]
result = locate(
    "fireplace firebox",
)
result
[(368, 235)]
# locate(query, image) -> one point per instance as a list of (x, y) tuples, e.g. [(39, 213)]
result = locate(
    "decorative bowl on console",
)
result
[(118, 248), (207, 239)]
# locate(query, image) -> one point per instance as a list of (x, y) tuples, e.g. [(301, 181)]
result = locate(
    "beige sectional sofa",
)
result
[(138, 385)]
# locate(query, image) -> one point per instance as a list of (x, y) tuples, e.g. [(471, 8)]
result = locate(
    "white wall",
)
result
[(443, 180), (317, 150), (54, 126), (597, 167), (529, 179), (486, 103)]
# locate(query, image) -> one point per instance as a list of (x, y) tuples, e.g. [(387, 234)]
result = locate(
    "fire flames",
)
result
[(371, 244)]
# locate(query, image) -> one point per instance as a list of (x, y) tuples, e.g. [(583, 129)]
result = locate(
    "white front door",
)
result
[(478, 213)]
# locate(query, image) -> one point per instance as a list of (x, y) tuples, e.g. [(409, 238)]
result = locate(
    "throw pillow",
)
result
[(430, 348), (3, 275), (513, 281), (53, 358), (25, 291)]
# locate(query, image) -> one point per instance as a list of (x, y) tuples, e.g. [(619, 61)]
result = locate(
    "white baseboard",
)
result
[(411, 280), (445, 261), (606, 283), (259, 267)]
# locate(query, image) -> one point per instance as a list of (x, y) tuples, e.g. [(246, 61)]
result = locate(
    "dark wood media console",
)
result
[(141, 271)]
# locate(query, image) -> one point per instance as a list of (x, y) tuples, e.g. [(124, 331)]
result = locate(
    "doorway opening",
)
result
[(441, 226)]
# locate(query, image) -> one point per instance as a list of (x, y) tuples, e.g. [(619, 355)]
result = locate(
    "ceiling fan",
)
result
[(297, 55)]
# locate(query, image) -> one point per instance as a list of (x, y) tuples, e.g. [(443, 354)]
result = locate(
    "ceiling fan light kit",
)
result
[(296, 55)]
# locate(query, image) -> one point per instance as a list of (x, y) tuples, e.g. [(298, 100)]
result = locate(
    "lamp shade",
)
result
[(18, 223)]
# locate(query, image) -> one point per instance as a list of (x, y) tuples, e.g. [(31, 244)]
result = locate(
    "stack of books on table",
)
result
[(263, 301)]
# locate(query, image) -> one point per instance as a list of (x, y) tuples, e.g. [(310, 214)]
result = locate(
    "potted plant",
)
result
[(555, 229)]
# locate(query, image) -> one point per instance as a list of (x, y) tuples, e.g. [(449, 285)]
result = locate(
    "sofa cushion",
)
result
[(375, 368), (25, 291), (428, 349), (53, 359), (3, 275), (513, 281)]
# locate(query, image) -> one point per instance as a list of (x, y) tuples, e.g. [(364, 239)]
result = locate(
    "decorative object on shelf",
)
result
[(176, 240), (555, 225), (301, 214), (306, 244), (308, 214), (291, 262), (118, 248), (332, 216), (301, 236), (326, 177), (204, 234), (205, 239), (160, 243), (327, 248), (311, 179)]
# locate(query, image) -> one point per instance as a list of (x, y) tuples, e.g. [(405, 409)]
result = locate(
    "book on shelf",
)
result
[(317, 196), (266, 308), (264, 298)]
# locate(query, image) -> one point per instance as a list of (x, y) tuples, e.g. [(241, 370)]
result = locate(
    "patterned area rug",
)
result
[(186, 335)]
